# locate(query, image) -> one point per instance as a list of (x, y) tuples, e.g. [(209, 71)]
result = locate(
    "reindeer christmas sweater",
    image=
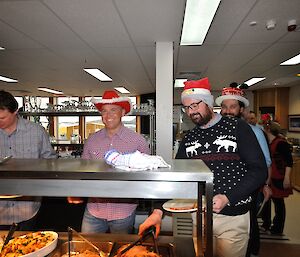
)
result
[(230, 149)]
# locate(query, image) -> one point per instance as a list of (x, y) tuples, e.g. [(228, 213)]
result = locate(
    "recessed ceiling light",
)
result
[(179, 82), (52, 91), (253, 81), (7, 79), (197, 19), (292, 61), (122, 90), (2, 48), (98, 74)]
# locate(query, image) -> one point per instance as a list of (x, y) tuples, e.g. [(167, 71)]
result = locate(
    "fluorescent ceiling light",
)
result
[(122, 90), (253, 81), (179, 82), (197, 19), (2, 48), (293, 61), (98, 74), (52, 91), (7, 79)]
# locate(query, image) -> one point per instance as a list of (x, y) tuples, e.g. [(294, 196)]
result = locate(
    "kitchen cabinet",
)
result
[(189, 179), (135, 112), (277, 98)]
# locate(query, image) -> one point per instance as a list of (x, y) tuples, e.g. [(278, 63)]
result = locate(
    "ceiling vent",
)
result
[(21, 91), (190, 75)]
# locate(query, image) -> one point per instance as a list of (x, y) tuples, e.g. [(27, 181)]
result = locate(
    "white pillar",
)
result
[(164, 99)]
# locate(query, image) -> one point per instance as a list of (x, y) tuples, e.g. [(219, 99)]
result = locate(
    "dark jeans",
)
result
[(254, 239), (279, 218)]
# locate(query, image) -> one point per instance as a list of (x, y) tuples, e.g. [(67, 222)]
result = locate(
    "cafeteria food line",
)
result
[(90, 178)]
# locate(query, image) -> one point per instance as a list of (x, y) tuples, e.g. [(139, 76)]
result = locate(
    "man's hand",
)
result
[(267, 191), (153, 220), (219, 202)]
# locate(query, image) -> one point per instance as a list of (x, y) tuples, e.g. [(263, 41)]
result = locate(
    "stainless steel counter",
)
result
[(94, 178)]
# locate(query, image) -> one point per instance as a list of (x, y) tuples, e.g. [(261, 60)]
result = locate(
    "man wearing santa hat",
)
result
[(234, 103), (103, 215), (229, 148)]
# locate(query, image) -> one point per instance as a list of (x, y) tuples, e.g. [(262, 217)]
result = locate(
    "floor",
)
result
[(289, 244)]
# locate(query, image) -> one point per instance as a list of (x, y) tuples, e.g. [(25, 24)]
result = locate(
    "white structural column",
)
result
[(164, 99)]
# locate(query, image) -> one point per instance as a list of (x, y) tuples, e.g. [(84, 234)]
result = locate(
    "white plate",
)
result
[(46, 249), (183, 205), (5, 159), (9, 196)]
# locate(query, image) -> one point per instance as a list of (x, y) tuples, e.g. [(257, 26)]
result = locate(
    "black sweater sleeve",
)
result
[(251, 153)]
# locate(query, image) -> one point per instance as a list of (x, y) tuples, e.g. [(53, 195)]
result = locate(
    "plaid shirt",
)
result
[(29, 140), (124, 141)]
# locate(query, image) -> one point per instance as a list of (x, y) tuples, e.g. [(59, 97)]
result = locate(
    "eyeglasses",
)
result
[(192, 107)]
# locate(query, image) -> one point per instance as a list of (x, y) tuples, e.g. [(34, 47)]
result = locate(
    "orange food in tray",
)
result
[(137, 251), (29, 243)]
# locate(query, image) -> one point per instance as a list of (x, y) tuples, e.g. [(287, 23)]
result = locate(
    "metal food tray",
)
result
[(80, 246), (165, 250)]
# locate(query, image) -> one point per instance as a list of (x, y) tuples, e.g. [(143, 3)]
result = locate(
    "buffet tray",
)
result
[(165, 249)]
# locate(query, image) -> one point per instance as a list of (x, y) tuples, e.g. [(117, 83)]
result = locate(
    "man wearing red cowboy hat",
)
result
[(233, 103), (102, 215), (223, 144)]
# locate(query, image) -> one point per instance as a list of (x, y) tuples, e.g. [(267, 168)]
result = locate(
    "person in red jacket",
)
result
[(282, 162)]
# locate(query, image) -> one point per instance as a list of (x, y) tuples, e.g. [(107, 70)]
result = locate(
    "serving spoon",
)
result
[(11, 231), (101, 253)]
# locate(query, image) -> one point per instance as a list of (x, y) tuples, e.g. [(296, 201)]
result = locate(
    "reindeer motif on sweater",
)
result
[(225, 143), (219, 148)]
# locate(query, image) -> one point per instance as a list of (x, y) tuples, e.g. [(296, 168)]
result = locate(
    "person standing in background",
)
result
[(103, 215), (223, 144), (282, 163), (233, 103), (23, 139), (252, 119)]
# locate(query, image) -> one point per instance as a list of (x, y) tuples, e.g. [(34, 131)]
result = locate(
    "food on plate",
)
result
[(187, 206), (86, 253), (136, 251), (28, 243)]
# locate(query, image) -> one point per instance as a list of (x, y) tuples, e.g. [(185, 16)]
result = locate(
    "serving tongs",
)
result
[(70, 236), (149, 232), (11, 231)]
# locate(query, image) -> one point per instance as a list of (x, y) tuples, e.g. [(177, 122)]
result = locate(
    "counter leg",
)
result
[(209, 222)]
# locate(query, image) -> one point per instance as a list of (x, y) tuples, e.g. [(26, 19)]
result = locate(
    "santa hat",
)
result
[(198, 90), (232, 93), (111, 97)]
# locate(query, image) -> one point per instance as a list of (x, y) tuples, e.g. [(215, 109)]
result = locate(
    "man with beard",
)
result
[(234, 104), (229, 148)]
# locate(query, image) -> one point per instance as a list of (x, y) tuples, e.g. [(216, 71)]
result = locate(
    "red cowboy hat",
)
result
[(111, 97)]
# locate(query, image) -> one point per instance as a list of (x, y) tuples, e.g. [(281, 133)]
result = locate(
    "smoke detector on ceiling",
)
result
[(271, 24), (292, 25)]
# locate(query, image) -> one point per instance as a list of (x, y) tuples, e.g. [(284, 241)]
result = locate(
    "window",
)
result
[(67, 125), (19, 100)]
